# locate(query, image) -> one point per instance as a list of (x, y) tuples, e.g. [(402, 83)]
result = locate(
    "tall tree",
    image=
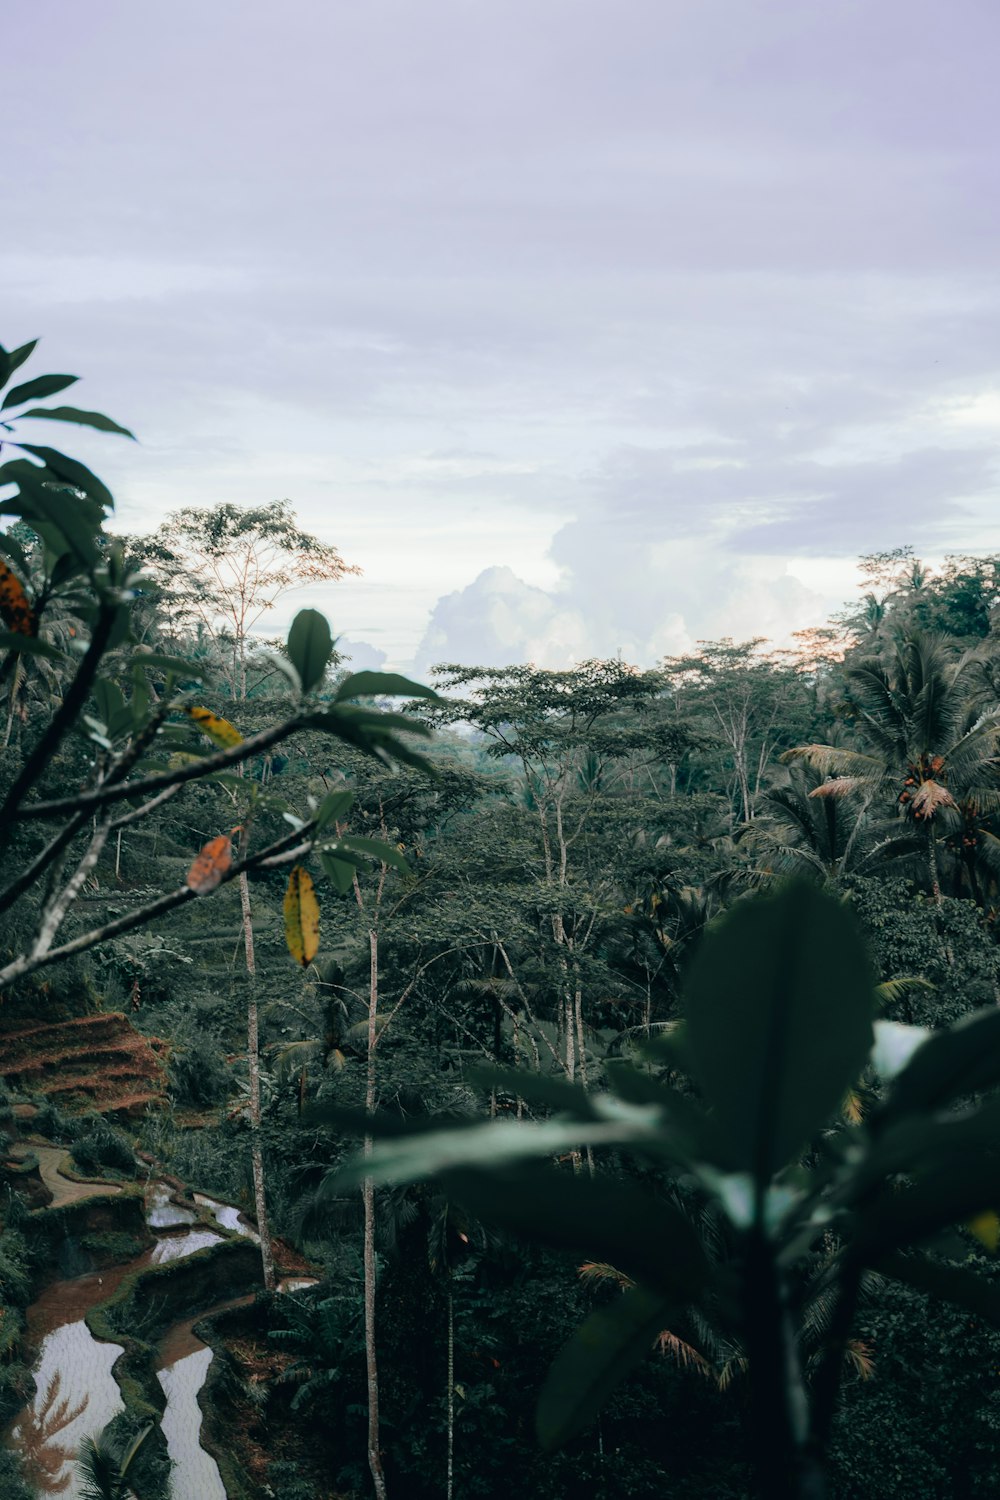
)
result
[(925, 737), (222, 568)]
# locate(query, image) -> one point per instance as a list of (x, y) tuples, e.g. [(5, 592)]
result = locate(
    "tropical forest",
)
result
[(552, 1083)]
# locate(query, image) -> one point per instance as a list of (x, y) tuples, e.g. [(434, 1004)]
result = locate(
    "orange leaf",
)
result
[(211, 864), (14, 606), (301, 917)]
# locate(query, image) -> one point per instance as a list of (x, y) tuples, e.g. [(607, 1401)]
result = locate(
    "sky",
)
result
[(584, 327)]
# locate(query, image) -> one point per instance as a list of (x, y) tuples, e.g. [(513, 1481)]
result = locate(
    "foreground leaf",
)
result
[(779, 1022), (309, 647), (597, 1359), (644, 1236), (493, 1144), (81, 418)]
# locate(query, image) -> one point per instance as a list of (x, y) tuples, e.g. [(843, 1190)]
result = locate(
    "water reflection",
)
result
[(229, 1217), (77, 1395), (195, 1472)]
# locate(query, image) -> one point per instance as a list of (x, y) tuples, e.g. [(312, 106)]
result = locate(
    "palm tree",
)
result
[(926, 740), (104, 1463), (800, 832)]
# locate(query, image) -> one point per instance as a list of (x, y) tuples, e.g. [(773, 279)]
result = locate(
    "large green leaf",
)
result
[(386, 854), (494, 1143), (13, 641), (13, 359), (535, 1088), (779, 1007), (340, 872), (81, 418), (333, 806), (641, 1235), (381, 685), (71, 471), (52, 508), (963, 1059), (309, 647), (597, 1359), (950, 1195), (37, 389), (949, 1283)]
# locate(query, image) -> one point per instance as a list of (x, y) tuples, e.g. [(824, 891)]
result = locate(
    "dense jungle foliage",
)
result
[(503, 923)]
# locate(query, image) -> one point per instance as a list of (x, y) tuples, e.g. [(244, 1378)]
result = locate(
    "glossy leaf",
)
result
[(381, 685), (71, 471), (81, 418), (15, 607), (37, 389), (952, 1194), (50, 508), (534, 1088), (644, 1236), (340, 872), (214, 861), (333, 806), (386, 854), (596, 1360), (310, 645), (779, 1022), (301, 913), (13, 359), (219, 731), (179, 665), (494, 1143), (963, 1059), (12, 641), (949, 1283)]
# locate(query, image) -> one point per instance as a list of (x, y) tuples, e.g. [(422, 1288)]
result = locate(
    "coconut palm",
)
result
[(927, 741), (799, 833), (104, 1463)]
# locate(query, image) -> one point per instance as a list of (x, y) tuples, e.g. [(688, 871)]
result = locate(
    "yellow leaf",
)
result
[(986, 1228), (219, 731), (14, 607), (301, 917)]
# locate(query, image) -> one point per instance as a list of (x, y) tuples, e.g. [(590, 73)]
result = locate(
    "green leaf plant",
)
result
[(731, 1189), (144, 731)]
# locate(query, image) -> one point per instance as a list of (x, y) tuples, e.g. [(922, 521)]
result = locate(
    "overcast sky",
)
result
[(581, 325)]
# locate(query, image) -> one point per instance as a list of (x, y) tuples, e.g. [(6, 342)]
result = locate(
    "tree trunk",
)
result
[(451, 1392), (253, 1066), (368, 1197)]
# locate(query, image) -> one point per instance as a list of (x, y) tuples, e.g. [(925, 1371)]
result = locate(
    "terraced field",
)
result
[(97, 1062)]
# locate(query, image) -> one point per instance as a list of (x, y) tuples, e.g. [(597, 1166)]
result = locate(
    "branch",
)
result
[(281, 852), (55, 912), (222, 760), (65, 715)]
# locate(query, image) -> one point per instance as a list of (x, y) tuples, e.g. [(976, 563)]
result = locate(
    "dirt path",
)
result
[(63, 1189)]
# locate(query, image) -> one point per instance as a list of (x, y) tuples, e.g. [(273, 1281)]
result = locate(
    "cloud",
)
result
[(360, 656), (620, 597)]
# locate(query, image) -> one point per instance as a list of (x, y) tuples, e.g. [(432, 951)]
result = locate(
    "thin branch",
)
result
[(222, 760), (278, 853), (64, 716)]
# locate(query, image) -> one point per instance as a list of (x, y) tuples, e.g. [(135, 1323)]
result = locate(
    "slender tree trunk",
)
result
[(932, 865), (451, 1392), (253, 1066), (368, 1197)]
